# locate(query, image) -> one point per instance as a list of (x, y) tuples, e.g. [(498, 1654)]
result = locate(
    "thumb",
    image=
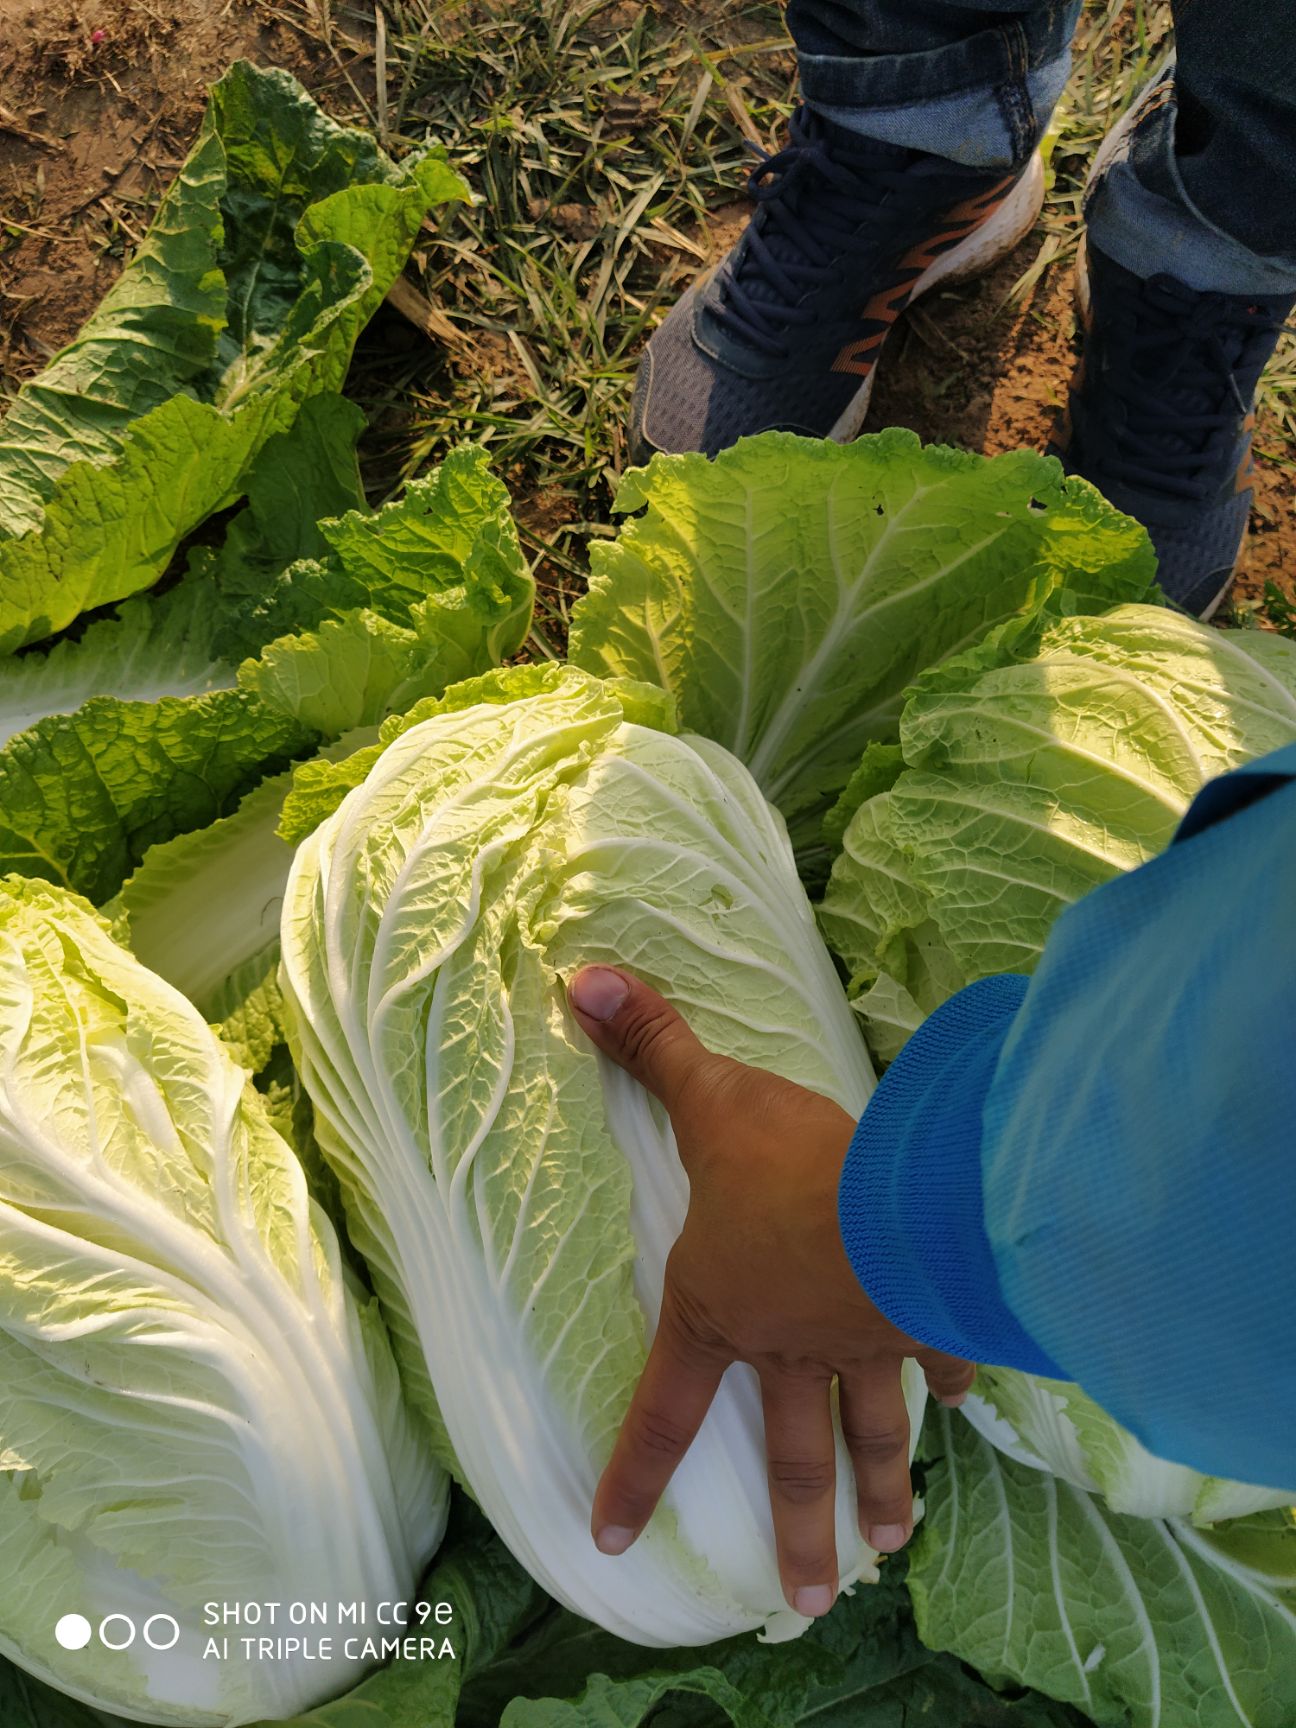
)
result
[(638, 1029)]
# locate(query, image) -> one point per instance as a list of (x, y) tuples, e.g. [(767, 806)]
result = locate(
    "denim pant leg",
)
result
[(971, 80), (1207, 191)]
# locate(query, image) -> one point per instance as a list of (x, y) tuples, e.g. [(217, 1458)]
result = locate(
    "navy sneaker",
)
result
[(1161, 415), (1161, 407), (787, 329)]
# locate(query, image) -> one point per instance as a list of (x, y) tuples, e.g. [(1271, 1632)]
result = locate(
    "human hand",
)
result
[(758, 1275)]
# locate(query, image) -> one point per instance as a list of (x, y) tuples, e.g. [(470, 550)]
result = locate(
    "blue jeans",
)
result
[(1207, 192)]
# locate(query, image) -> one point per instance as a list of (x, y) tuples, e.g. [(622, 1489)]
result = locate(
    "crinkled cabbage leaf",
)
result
[(1145, 1621), (248, 664), (271, 250), (198, 1405), (1028, 772), (789, 591), (514, 1194)]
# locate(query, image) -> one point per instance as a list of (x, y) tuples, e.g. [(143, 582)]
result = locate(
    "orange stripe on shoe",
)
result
[(859, 357)]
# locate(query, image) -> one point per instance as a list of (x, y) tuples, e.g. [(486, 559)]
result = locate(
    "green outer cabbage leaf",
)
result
[(449, 533), (203, 912), (1029, 771), (196, 1406), (522, 1662), (27, 1703), (789, 591), (492, 1601), (423, 593), (399, 603), (83, 796), (1141, 1622), (305, 474), (151, 649), (513, 1194), (269, 253), (181, 643), (203, 909)]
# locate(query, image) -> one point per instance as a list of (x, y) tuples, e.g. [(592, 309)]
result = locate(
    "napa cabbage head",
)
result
[(514, 1193), (196, 1405), (1045, 762)]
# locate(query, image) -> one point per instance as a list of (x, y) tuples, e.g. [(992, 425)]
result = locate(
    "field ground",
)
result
[(607, 143)]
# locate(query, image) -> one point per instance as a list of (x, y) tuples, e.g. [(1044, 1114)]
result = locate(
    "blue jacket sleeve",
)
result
[(1092, 1174)]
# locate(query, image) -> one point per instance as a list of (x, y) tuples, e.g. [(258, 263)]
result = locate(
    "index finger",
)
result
[(677, 1387)]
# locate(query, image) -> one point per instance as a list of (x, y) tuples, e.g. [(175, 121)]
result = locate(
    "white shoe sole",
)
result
[(993, 240), (1112, 146), (1206, 616), (1115, 141)]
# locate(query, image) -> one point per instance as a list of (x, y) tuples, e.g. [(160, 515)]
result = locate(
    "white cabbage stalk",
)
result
[(1052, 1425), (194, 1406), (515, 1194)]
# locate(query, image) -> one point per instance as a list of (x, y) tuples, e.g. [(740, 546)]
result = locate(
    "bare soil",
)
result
[(99, 102)]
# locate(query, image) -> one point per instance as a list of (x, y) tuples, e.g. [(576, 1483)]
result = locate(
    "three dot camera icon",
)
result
[(118, 1632)]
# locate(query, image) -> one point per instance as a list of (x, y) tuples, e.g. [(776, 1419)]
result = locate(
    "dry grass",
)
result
[(598, 138)]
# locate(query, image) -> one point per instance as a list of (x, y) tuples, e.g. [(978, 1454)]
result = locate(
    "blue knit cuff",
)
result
[(910, 1203)]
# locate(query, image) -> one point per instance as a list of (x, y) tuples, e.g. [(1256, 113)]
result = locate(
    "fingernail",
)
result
[(613, 1539), (599, 992), (886, 1538), (812, 1600), (953, 1402)]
